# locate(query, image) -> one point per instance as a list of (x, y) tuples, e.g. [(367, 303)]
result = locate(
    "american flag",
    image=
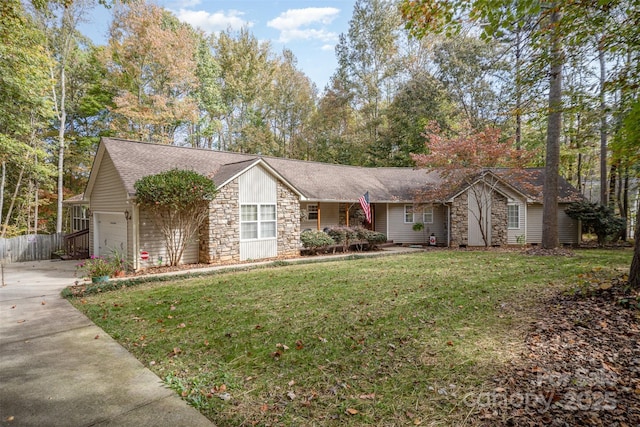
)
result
[(366, 207)]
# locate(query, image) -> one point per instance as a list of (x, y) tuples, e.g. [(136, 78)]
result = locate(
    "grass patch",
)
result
[(382, 341)]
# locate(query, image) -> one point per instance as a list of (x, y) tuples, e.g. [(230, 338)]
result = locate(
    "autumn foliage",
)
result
[(460, 158), (150, 62)]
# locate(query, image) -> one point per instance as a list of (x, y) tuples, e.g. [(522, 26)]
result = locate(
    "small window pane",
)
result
[(249, 213), (312, 212), (249, 230), (268, 229), (427, 216), (408, 213), (268, 213)]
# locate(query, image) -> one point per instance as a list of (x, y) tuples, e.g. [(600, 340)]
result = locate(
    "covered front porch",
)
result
[(321, 214), (395, 220)]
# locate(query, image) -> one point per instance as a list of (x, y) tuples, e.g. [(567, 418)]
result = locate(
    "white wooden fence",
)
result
[(31, 247)]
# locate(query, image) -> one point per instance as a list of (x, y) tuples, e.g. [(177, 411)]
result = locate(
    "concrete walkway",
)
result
[(59, 369)]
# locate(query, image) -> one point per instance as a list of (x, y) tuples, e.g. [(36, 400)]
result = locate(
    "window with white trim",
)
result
[(257, 222), (408, 214), (427, 215), (80, 218), (312, 212), (513, 216)]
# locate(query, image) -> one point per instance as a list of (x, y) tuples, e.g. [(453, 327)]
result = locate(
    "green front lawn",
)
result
[(398, 340)]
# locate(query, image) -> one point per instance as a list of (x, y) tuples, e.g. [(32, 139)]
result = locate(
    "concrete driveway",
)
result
[(59, 369)]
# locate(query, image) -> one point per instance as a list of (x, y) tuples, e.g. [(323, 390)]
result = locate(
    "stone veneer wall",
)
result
[(288, 222), (220, 235), (460, 220), (499, 220)]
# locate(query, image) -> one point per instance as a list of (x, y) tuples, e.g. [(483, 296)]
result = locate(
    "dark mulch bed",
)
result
[(581, 366)]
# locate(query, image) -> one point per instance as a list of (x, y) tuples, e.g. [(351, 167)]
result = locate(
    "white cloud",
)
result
[(183, 4), (306, 34), (328, 47), (213, 22), (292, 23)]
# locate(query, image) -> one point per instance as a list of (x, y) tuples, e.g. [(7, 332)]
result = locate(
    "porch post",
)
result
[(373, 217), (318, 220), (347, 213)]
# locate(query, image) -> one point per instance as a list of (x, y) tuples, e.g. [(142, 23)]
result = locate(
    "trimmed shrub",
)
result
[(374, 238), (315, 240), (343, 236), (597, 218)]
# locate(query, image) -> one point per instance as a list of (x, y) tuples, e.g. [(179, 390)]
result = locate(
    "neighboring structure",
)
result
[(264, 203)]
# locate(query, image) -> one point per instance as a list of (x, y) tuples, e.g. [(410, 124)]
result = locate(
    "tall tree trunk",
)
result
[(36, 200), (623, 200), (603, 124), (579, 172), (634, 271), (2, 184), (518, 85), (554, 129), (63, 120), (13, 200), (613, 175)]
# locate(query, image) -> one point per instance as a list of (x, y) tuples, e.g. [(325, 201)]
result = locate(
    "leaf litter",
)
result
[(580, 366)]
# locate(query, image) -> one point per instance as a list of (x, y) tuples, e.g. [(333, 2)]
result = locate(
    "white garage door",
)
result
[(110, 234)]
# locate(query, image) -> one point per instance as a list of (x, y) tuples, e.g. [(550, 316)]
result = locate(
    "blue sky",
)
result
[(309, 28)]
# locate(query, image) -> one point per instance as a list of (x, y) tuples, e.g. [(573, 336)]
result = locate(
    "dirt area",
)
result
[(581, 365)]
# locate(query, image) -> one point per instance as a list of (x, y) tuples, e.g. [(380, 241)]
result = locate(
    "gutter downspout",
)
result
[(448, 226), (136, 237)]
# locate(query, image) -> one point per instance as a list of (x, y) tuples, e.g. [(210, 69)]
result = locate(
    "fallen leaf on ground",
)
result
[(352, 411)]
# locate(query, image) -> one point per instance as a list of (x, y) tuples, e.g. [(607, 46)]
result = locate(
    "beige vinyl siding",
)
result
[(109, 196), (401, 232), (534, 223), (568, 232), (152, 241), (380, 219), (329, 216), (257, 186)]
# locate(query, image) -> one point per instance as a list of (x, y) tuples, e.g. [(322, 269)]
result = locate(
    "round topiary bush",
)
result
[(315, 240)]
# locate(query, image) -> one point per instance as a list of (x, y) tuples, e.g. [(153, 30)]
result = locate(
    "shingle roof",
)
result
[(530, 182), (330, 182), (134, 160), (78, 199), (315, 181)]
